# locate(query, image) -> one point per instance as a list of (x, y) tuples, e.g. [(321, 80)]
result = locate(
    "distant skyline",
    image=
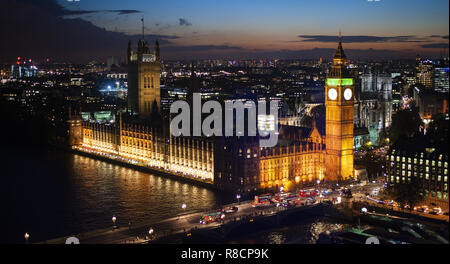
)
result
[(87, 29)]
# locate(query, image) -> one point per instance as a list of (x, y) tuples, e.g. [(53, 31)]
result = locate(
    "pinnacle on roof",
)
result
[(340, 51)]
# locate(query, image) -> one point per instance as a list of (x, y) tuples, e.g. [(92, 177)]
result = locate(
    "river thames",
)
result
[(53, 193)]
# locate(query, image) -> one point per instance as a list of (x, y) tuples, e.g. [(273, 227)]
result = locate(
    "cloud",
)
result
[(67, 12), (202, 48), (124, 11), (52, 7), (439, 36), (184, 22), (41, 29), (434, 46), (359, 39)]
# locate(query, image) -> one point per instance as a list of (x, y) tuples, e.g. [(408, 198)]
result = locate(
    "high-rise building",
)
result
[(339, 102), (424, 73), (144, 71), (441, 82)]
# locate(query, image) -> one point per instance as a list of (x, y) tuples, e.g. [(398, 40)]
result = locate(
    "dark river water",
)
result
[(52, 193)]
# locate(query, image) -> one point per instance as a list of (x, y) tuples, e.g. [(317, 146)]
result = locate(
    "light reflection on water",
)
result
[(104, 189), (54, 193), (307, 231)]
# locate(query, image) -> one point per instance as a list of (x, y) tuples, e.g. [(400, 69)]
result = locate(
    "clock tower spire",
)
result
[(339, 105)]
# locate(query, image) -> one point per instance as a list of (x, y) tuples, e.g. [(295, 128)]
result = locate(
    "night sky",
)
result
[(70, 30)]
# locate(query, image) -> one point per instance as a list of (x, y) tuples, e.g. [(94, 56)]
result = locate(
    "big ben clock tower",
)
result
[(339, 104)]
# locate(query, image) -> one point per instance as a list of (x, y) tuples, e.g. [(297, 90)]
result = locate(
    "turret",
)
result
[(157, 54), (129, 51)]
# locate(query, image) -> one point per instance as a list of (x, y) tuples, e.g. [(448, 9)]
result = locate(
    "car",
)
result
[(231, 209), (381, 202), (432, 212), (446, 213), (420, 209)]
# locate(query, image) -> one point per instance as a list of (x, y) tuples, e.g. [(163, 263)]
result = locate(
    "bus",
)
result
[(278, 197), (211, 217), (291, 200), (263, 199), (306, 193)]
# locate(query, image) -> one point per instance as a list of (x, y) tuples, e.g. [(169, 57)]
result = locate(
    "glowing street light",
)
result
[(183, 206), (114, 219), (239, 198), (150, 231), (281, 188), (27, 237)]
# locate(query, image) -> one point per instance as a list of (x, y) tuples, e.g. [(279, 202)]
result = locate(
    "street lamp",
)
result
[(239, 198), (183, 206), (27, 237), (281, 188), (150, 231), (114, 221)]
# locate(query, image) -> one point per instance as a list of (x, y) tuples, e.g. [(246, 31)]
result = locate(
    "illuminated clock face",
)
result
[(332, 94), (348, 94)]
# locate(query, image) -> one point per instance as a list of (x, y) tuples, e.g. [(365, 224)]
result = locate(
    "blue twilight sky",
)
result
[(262, 24), (193, 29)]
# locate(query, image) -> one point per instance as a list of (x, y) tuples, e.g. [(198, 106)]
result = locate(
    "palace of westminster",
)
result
[(301, 156)]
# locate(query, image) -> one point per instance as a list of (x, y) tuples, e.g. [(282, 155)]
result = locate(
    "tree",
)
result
[(405, 123), (406, 193), (438, 130), (372, 162)]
